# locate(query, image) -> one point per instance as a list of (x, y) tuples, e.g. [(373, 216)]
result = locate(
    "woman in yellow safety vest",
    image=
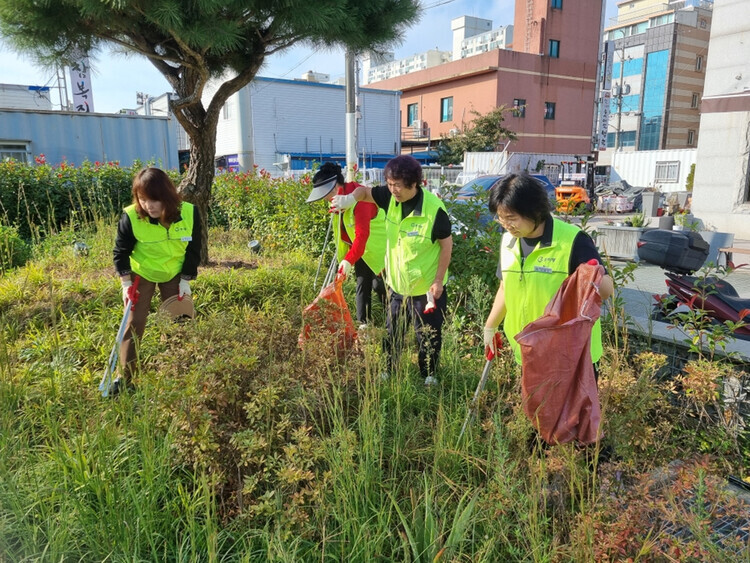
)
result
[(359, 233), (158, 241), (417, 254), (537, 253)]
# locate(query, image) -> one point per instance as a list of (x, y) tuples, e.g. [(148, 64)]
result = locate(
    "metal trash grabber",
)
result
[(331, 274), (482, 382), (322, 253), (105, 385)]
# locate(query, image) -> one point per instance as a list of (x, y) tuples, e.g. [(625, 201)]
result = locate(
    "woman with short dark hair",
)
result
[(537, 253), (418, 252)]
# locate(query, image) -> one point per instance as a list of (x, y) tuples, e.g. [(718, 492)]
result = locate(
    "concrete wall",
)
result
[(720, 193), (483, 82)]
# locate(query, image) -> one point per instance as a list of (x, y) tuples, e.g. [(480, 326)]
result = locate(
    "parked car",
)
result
[(475, 194)]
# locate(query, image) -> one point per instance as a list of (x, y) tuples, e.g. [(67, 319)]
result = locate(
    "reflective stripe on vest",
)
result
[(531, 283), (411, 259), (159, 253), (374, 255)]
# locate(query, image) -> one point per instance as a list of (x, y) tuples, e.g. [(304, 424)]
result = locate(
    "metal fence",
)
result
[(436, 176)]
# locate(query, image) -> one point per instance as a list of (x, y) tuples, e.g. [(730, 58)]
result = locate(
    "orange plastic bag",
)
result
[(558, 387), (328, 318)]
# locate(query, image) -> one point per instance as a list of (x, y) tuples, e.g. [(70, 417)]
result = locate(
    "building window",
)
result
[(556, 4), (519, 107), (549, 110), (699, 63), (627, 139), (16, 151), (653, 105), (694, 100), (554, 48), (667, 171), (691, 137), (412, 114), (446, 109), (226, 111)]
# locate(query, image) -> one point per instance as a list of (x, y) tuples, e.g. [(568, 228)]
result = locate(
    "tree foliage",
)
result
[(193, 41), (484, 133)]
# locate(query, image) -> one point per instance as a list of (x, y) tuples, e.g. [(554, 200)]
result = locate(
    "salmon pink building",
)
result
[(549, 80)]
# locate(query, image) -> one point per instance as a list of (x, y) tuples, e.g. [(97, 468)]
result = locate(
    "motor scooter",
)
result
[(680, 254)]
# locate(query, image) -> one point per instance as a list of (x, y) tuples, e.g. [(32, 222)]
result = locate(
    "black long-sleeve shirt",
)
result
[(125, 242)]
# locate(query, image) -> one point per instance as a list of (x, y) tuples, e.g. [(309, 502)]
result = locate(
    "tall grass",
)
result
[(239, 446)]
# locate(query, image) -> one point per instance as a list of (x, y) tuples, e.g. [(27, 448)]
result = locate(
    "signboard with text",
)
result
[(80, 81), (604, 111)]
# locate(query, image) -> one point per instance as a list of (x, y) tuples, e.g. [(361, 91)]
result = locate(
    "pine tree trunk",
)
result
[(196, 185)]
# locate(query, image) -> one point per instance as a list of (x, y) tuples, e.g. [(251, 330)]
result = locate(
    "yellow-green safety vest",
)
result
[(531, 283), (159, 253), (411, 259), (374, 255)]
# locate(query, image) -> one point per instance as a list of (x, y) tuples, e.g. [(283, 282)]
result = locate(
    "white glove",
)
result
[(184, 288), (489, 340), (430, 307), (341, 202), (345, 267), (126, 284)]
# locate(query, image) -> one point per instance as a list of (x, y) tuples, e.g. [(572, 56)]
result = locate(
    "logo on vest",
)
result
[(543, 269)]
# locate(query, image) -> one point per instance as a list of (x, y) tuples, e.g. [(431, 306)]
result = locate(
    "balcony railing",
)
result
[(413, 133)]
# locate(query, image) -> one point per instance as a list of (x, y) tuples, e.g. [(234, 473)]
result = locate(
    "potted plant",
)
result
[(684, 221)]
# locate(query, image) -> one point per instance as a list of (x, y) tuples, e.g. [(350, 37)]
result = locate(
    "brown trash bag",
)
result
[(557, 384), (329, 316)]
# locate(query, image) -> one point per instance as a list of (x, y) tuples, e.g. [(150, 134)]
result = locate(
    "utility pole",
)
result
[(351, 117), (620, 88)]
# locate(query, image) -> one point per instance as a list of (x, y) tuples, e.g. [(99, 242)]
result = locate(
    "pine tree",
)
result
[(193, 41)]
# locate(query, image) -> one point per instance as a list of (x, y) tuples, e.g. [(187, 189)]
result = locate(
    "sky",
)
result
[(116, 77)]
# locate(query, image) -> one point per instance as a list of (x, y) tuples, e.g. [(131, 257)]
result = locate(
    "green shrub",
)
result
[(39, 199), (274, 209), (14, 251)]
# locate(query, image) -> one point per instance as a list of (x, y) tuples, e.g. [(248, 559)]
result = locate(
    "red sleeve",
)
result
[(364, 212)]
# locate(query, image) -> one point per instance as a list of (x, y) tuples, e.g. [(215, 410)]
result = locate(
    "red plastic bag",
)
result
[(558, 387), (328, 318)]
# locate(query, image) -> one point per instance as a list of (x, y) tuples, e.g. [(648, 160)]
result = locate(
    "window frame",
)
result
[(556, 4), (519, 107), (698, 63), (549, 110), (691, 137), (444, 116), (667, 171), (17, 150), (553, 49), (694, 100), (409, 118)]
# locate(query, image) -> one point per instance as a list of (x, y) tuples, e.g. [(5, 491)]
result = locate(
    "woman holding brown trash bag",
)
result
[(158, 242), (538, 253)]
